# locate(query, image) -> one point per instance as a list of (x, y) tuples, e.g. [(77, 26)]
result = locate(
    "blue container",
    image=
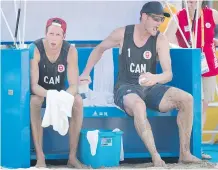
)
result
[(15, 108), (107, 152)]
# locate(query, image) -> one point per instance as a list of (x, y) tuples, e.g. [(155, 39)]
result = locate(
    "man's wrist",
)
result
[(86, 72)]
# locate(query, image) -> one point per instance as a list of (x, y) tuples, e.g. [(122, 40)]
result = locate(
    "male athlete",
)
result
[(141, 45), (53, 61)]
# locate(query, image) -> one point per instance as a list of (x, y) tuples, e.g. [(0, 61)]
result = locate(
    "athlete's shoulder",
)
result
[(72, 48), (119, 30), (117, 34), (72, 51)]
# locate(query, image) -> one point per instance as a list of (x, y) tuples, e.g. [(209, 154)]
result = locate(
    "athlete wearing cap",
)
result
[(139, 45), (54, 60)]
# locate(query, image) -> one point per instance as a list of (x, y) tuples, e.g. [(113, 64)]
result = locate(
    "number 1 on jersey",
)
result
[(128, 52)]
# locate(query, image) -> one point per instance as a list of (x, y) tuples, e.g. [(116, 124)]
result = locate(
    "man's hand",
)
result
[(148, 79), (84, 79)]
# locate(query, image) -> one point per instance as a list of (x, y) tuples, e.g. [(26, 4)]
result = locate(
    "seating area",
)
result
[(163, 124), (186, 70)]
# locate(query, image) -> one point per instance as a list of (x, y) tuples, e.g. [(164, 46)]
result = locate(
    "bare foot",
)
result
[(189, 158), (75, 163), (40, 163), (157, 161)]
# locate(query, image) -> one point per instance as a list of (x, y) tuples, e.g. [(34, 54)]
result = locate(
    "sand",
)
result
[(202, 165)]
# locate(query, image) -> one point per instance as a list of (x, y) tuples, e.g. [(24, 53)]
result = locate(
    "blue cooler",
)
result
[(107, 151)]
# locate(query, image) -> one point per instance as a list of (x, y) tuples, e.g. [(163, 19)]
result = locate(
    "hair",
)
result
[(203, 5)]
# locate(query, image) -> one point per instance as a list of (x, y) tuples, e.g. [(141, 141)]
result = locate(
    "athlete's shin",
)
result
[(143, 127), (75, 125), (185, 122), (37, 131)]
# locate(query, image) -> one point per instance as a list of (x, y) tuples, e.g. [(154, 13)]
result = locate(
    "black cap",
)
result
[(154, 7)]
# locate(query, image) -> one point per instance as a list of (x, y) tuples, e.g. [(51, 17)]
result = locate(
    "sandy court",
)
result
[(203, 165)]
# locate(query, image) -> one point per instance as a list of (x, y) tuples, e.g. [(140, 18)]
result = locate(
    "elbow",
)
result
[(33, 88), (100, 50), (170, 76)]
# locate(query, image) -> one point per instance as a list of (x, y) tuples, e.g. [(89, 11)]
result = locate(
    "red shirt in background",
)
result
[(209, 27)]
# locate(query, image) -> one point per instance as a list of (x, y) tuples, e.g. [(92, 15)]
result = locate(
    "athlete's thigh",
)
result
[(127, 96), (175, 98)]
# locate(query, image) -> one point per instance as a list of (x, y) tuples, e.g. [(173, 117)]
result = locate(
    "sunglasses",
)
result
[(57, 21), (156, 18)]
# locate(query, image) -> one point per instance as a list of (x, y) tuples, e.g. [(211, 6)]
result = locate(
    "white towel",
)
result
[(103, 82), (66, 101), (51, 108), (92, 137), (121, 146), (58, 109)]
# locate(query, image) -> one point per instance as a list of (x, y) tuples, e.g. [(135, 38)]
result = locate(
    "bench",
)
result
[(15, 117), (186, 76)]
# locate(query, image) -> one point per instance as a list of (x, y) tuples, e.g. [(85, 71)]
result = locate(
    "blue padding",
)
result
[(72, 42), (15, 110), (113, 112), (31, 50), (116, 63), (83, 55)]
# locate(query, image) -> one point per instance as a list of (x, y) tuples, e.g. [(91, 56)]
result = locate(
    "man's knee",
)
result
[(36, 101), (139, 104), (134, 104), (184, 102), (187, 99), (78, 101), (179, 98)]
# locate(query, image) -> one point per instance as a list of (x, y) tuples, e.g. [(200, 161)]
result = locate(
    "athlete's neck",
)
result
[(50, 51), (142, 31), (192, 13)]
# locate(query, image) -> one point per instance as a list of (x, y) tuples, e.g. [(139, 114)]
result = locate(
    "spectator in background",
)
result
[(208, 18)]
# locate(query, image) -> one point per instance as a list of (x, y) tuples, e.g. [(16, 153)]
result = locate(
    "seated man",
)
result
[(54, 60), (140, 47)]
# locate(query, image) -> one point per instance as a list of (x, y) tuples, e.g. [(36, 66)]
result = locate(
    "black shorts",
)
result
[(152, 96)]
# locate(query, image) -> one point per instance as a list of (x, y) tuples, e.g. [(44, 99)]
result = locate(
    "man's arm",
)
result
[(215, 16), (34, 70), (215, 42), (170, 32), (72, 71), (165, 60), (113, 40)]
